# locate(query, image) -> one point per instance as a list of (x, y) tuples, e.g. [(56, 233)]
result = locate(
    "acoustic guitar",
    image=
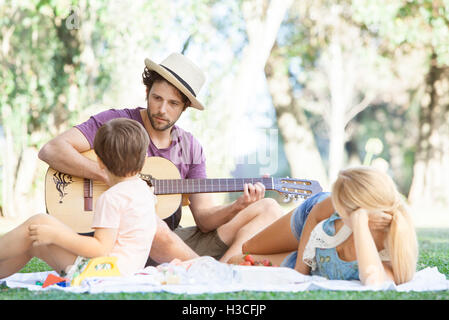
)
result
[(72, 199)]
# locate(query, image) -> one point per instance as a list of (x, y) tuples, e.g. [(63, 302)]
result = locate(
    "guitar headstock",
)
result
[(296, 188)]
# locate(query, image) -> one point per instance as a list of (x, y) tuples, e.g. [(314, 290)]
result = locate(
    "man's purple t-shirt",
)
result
[(185, 151)]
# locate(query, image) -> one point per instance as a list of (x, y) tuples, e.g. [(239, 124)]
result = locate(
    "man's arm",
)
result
[(63, 153), (209, 216)]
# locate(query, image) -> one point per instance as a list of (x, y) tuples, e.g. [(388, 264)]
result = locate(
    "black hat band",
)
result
[(185, 84)]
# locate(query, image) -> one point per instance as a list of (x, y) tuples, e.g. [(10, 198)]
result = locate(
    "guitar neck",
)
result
[(187, 186)]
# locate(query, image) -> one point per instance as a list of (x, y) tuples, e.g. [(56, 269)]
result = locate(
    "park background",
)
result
[(294, 88)]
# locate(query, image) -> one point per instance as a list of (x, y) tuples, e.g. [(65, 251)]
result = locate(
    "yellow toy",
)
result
[(98, 267)]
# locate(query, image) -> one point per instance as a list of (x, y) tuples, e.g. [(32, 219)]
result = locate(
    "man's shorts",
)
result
[(204, 244)]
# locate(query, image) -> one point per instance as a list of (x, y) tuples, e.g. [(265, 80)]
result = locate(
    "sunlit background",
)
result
[(294, 88)]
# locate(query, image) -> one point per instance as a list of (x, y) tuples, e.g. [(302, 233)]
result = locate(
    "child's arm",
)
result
[(371, 269), (321, 211), (99, 245)]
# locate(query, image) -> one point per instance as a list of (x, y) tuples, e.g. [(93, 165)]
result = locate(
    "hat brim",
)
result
[(151, 65)]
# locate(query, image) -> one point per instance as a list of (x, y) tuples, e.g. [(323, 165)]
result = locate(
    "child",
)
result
[(124, 220), (370, 237)]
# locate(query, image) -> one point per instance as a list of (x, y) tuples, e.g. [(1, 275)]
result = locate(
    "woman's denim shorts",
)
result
[(298, 220)]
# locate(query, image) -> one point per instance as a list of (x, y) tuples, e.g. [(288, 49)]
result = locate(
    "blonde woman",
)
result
[(360, 231)]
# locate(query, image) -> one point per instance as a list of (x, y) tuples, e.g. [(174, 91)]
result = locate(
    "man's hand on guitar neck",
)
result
[(251, 194), (209, 216)]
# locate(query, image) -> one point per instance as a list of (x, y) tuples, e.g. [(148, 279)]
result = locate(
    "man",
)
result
[(171, 87)]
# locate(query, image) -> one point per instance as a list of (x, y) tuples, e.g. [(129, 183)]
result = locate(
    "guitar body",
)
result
[(64, 193)]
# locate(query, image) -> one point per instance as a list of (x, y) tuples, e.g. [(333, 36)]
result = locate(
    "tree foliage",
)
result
[(339, 73), (419, 29), (50, 70)]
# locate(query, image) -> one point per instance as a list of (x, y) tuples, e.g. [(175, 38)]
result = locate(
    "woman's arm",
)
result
[(371, 269), (321, 211)]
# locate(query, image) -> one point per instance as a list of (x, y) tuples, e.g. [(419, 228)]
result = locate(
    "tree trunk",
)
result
[(338, 105), (237, 100), (8, 171), (263, 19), (18, 173), (299, 143), (431, 170), (26, 174)]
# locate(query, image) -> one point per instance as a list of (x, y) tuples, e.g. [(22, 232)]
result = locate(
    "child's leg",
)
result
[(276, 238), (16, 248)]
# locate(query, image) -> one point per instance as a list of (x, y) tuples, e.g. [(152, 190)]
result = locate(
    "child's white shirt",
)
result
[(128, 206)]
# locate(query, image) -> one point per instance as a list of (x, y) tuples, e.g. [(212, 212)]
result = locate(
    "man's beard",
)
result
[(155, 125)]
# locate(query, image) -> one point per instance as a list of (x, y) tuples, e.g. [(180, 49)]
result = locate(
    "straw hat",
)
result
[(182, 73)]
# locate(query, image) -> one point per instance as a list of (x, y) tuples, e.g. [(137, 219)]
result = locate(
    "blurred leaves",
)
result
[(61, 61)]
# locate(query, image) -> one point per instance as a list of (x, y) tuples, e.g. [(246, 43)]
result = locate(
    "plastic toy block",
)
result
[(52, 279), (64, 284), (95, 268)]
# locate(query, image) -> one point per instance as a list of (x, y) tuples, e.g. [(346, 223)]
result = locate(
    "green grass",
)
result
[(434, 252)]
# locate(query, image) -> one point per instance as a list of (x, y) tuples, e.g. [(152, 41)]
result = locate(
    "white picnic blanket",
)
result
[(205, 275)]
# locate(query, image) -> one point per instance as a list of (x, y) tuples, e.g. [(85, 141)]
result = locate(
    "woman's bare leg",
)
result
[(13, 265), (16, 248), (16, 242), (276, 238), (247, 223), (56, 257)]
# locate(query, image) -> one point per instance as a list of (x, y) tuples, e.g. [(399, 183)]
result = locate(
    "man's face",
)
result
[(164, 105)]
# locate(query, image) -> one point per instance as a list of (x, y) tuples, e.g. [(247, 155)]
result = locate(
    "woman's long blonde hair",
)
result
[(372, 189)]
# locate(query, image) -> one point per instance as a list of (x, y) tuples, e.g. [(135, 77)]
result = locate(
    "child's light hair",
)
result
[(374, 190), (122, 145)]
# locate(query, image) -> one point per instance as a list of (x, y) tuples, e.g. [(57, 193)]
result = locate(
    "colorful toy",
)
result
[(52, 279), (98, 267)]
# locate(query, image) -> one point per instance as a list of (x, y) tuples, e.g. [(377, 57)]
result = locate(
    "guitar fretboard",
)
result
[(185, 186)]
